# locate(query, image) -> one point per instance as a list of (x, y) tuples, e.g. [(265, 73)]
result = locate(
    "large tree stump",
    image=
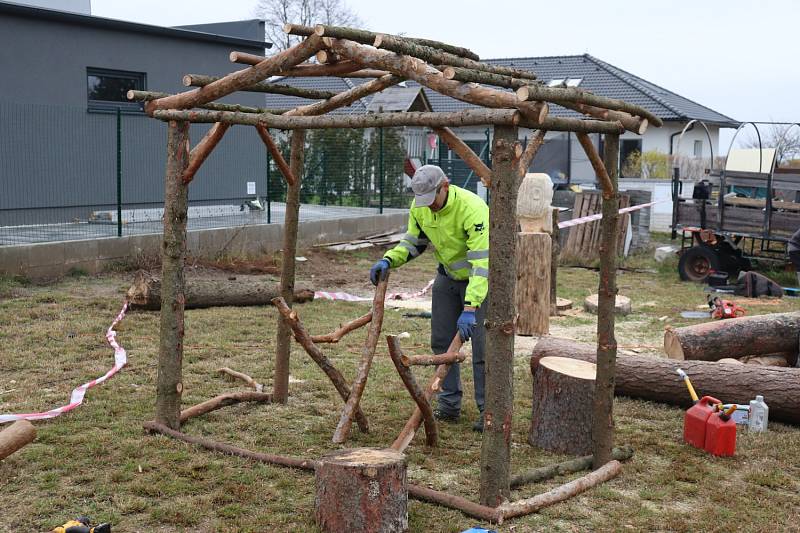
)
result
[(362, 489), (751, 335), (17, 435), (562, 405), (533, 283)]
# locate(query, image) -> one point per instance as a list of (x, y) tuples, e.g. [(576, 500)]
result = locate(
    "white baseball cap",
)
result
[(424, 183)]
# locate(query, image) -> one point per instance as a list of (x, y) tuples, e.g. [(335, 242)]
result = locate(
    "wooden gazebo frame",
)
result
[(451, 71)]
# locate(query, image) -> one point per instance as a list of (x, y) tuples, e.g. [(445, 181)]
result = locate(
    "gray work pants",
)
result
[(448, 302)]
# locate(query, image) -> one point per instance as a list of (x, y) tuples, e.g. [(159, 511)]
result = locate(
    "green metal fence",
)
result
[(67, 174)]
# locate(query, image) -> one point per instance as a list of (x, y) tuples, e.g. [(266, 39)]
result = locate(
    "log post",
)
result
[(431, 432), (561, 417), (500, 321), (555, 252), (283, 341), (603, 431), (173, 251), (362, 490), (17, 435), (367, 354), (532, 295)]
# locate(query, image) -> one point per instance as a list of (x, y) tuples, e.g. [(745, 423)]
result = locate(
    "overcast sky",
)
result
[(737, 57)]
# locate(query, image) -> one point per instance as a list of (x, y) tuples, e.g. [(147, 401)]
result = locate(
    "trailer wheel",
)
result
[(696, 263)]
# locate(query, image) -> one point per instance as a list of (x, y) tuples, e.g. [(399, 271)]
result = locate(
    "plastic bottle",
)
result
[(759, 415)]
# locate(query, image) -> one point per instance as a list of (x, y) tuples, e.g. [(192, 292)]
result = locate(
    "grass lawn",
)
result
[(97, 461)]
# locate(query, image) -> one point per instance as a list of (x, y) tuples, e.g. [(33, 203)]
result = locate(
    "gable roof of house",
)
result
[(594, 74), (43, 13), (398, 99)]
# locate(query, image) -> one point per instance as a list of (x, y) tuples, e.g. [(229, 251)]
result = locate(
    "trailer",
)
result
[(742, 213)]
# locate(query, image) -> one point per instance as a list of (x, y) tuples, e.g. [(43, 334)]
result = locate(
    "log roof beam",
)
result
[(235, 81), (202, 80), (424, 74)]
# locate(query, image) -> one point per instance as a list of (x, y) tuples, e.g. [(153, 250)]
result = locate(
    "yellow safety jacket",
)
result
[(459, 232)]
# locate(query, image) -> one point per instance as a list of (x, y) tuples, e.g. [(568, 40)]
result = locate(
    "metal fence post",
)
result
[(119, 172), (380, 168), (269, 201)]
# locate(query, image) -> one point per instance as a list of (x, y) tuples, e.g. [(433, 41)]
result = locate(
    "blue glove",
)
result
[(378, 271), (466, 324)]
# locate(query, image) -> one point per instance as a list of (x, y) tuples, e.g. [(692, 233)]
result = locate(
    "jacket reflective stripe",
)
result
[(478, 254), (411, 248), (411, 238), (458, 265), (479, 271)]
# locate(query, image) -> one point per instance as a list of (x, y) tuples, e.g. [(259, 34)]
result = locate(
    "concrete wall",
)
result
[(48, 260)]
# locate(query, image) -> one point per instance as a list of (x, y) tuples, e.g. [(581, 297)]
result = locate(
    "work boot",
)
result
[(443, 416), (478, 425)]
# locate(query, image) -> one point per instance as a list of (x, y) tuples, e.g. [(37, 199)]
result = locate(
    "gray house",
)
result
[(562, 156), (63, 109)]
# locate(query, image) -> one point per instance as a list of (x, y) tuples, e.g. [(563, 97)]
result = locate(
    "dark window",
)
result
[(108, 89), (628, 147)]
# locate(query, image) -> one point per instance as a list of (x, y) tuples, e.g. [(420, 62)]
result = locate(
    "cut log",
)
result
[(622, 305), (533, 283), (396, 353), (16, 436), (433, 360), (561, 420), (653, 378), (145, 293), (752, 335), (201, 80), (304, 339), (562, 304), (543, 473), (523, 507), (367, 354), (466, 154), (407, 433), (361, 490), (343, 330), (256, 386), (224, 400)]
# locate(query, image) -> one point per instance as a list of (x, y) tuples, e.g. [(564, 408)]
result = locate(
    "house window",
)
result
[(108, 89), (698, 148)]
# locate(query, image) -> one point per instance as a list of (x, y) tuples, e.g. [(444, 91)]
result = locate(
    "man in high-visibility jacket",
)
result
[(456, 222)]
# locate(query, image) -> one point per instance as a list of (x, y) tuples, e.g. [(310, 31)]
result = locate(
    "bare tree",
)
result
[(276, 13), (785, 138)]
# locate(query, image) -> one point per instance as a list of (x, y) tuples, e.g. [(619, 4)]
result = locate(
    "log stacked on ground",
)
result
[(17, 435), (145, 293), (561, 418), (533, 283), (752, 335), (362, 490), (654, 378)]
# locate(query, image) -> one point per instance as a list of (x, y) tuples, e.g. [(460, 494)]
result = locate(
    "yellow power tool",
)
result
[(81, 525)]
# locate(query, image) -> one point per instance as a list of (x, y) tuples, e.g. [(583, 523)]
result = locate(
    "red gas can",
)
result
[(695, 420), (720, 435)]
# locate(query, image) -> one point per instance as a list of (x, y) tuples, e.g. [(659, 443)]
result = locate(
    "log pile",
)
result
[(654, 378)]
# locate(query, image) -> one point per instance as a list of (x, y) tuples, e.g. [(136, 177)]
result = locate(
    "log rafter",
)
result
[(200, 153), (202, 80), (466, 154)]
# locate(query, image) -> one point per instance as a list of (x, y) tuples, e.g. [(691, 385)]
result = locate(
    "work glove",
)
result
[(466, 324), (378, 271)]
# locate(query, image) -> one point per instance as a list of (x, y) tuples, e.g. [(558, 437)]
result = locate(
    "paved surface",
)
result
[(146, 221)]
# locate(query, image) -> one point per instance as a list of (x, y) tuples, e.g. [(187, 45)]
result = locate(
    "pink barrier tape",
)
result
[(347, 297), (76, 398), (598, 216)]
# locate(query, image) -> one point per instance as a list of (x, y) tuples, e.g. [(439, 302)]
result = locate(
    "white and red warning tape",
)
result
[(347, 297), (120, 360), (598, 216)]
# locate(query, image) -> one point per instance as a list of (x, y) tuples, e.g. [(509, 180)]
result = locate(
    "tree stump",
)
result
[(533, 284), (362, 489), (563, 391), (622, 305)]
